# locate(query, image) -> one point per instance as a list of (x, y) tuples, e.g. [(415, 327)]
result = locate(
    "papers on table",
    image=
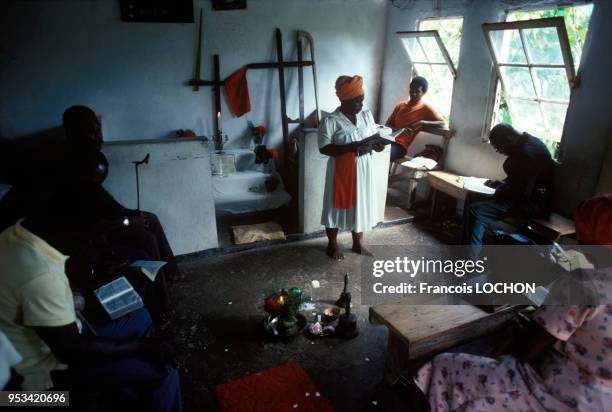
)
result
[(477, 184), (421, 163)]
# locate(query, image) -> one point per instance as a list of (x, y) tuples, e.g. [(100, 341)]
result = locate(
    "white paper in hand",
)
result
[(149, 267), (387, 133)]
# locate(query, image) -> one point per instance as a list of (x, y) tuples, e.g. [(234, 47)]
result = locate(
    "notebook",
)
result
[(118, 298)]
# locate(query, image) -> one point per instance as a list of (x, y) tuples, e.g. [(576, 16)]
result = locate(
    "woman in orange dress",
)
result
[(412, 114)]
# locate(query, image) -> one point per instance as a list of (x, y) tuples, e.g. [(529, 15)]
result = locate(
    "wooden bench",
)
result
[(414, 175), (553, 227), (416, 331)]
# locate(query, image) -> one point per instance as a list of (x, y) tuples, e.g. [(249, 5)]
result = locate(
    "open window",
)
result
[(532, 54), (431, 59)]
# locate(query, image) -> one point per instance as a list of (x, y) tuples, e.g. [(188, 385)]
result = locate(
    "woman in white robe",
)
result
[(341, 137)]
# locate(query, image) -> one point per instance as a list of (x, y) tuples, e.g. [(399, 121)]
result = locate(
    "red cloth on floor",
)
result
[(237, 92), (272, 390), (345, 181)]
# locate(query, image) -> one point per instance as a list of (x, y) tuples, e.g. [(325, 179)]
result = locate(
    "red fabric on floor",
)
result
[(275, 389)]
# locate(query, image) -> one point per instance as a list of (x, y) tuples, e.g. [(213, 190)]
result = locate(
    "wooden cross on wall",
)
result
[(280, 65)]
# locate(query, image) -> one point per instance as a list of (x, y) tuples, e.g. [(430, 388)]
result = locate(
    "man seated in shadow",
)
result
[(83, 133), (526, 192), (93, 256), (37, 313)]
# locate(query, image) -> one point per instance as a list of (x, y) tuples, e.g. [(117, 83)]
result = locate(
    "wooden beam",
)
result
[(198, 57), (306, 63), (438, 131), (300, 80), (204, 82), (281, 85)]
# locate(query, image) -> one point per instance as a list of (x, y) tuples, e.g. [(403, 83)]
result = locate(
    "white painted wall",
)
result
[(589, 118), (57, 53), (176, 185), (54, 54)]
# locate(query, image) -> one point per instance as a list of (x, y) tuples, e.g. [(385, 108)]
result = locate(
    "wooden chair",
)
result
[(415, 175)]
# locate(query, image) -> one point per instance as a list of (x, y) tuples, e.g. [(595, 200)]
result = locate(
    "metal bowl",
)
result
[(270, 324), (331, 314)]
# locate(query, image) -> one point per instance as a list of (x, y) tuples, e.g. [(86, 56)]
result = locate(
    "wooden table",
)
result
[(416, 331), (554, 226), (446, 182)]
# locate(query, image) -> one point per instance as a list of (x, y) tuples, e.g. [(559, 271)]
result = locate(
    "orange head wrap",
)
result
[(594, 220), (348, 87)]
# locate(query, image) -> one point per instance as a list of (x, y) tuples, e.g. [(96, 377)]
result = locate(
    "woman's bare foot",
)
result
[(358, 244), (333, 251), (361, 250)]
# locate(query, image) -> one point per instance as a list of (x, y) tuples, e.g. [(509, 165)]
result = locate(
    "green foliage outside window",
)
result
[(449, 30), (577, 24)]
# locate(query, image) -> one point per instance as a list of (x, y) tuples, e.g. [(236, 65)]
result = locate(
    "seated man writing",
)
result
[(412, 115), (37, 313), (526, 192)]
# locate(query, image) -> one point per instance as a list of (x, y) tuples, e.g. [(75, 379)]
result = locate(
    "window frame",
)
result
[(558, 23), (425, 19), (448, 62)]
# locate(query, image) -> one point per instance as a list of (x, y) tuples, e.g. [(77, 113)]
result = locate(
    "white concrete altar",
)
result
[(176, 185), (233, 192), (313, 166)]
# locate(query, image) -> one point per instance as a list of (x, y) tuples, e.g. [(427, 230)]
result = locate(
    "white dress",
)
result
[(337, 129)]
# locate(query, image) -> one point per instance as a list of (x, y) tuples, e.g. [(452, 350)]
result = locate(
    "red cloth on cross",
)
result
[(237, 92)]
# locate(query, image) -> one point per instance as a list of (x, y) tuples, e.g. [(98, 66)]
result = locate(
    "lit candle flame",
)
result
[(281, 300), (218, 115)]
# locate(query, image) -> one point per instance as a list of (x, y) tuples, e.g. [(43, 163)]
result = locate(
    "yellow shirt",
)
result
[(34, 291)]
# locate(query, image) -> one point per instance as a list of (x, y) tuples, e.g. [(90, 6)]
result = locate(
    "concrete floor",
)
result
[(218, 331)]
